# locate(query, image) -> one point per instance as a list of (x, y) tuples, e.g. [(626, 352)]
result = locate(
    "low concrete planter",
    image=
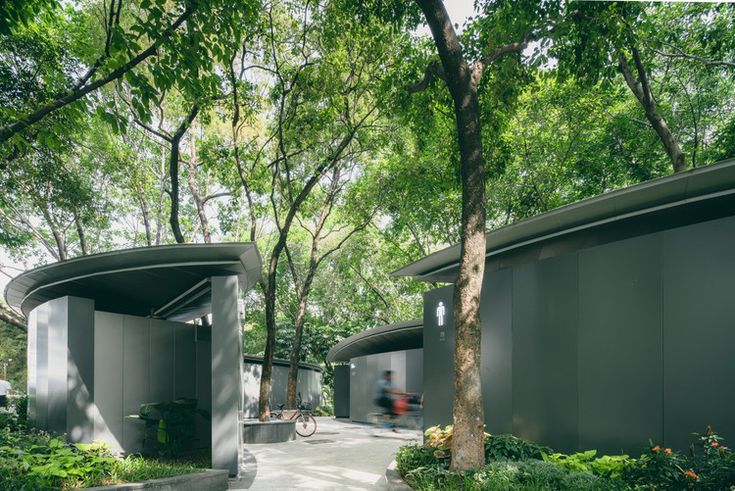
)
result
[(209, 480), (268, 431)]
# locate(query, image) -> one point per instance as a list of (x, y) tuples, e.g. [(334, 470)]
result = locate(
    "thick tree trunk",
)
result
[(467, 441), (641, 88)]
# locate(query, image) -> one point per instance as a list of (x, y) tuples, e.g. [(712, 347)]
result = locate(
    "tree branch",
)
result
[(7, 131), (433, 69), (478, 68)]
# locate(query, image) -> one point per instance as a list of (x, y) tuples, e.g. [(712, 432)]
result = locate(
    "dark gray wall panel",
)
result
[(135, 382), (184, 361), (438, 358), (496, 311), (108, 385), (699, 337), (545, 352), (341, 395), (415, 371), (162, 355), (620, 345), (80, 370), (361, 389)]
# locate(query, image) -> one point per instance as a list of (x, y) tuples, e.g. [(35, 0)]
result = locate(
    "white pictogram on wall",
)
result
[(441, 312)]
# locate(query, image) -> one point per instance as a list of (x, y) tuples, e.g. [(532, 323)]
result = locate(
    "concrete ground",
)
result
[(340, 455)]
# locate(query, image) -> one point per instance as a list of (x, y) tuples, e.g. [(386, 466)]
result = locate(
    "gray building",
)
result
[(308, 383), (367, 355), (605, 323), (109, 332)]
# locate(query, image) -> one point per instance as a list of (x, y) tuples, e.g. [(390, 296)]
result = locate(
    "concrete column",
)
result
[(31, 362), (61, 367), (226, 375)]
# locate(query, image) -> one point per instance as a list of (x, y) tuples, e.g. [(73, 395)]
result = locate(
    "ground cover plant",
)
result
[(34, 460), (517, 464)]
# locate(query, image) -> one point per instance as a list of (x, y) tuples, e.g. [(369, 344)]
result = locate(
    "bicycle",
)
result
[(407, 415), (305, 422)]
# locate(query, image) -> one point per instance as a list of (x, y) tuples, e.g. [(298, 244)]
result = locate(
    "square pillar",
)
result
[(226, 371), (61, 367)]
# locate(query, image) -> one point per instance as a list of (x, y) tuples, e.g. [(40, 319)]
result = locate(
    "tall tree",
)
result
[(462, 78)]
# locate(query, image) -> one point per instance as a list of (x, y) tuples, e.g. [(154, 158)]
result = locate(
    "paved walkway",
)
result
[(340, 455)]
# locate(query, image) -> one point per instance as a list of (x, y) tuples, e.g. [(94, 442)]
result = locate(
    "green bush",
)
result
[(508, 475), (170, 427), (612, 466), (37, 461), (509, 447), (516, 464), (411, 457)]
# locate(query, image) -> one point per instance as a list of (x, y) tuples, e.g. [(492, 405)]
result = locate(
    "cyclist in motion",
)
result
[(385, 396)]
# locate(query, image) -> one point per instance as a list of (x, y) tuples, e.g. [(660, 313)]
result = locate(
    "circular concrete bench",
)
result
[(268, 431)]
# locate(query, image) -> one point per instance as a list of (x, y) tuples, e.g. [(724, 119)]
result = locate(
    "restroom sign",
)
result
[(441, 315)]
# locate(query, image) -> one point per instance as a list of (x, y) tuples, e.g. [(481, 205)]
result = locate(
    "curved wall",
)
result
[(407, 367), (605, 344), (309, 383)]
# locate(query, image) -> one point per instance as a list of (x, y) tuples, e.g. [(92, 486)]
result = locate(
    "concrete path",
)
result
[(340, 455)]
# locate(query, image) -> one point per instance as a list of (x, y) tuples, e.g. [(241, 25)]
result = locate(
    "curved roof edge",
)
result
[(383, 339), (28, 289), (258, 360), (666, 192)]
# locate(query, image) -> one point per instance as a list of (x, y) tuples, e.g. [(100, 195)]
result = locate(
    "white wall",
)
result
[(138, 360)]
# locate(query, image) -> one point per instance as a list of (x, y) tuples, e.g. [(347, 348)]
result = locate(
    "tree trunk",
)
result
[(467, 442), (173, 169), (641, 88), (80, 233), (295, 356), (270, 328), (194, 191)]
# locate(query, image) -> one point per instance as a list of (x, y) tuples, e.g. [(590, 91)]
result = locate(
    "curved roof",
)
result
[(670, 193), (393, 337), (169, 281)]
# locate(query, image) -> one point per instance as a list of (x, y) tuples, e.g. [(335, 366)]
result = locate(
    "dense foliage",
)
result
[(517, 464), (32, 460)]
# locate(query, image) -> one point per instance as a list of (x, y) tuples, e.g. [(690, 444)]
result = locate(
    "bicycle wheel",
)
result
[(305, 425)]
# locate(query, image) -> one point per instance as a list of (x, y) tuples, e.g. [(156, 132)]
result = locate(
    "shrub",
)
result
[(711, 461), (611, 466), (170, 427), (497, 447), (411, 457), (658, 466), (509, 447), (508, 475), (31, 460)]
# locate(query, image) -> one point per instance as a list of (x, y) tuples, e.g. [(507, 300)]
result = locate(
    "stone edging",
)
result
[(393, 479), (209, 480)]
